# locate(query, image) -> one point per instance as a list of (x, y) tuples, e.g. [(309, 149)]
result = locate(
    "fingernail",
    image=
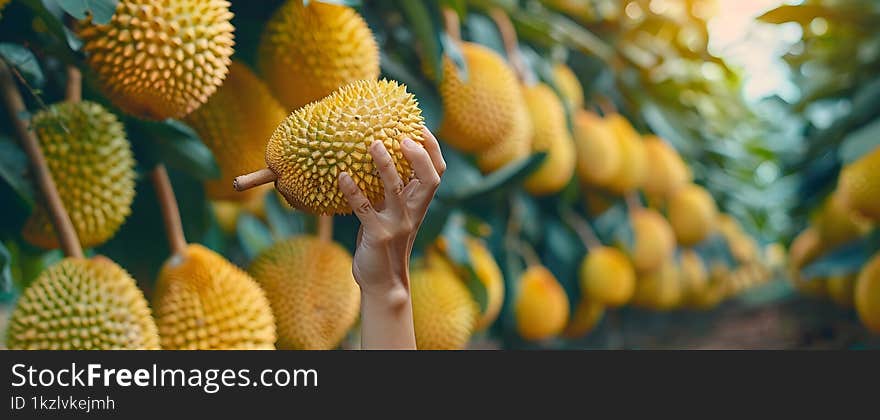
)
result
[(344, 178), (377, 144), (408, 142)]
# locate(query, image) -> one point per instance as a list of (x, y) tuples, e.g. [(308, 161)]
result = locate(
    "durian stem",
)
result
[(451, 24), (58, 214), (528, 253), (632, 201), (73, 91), (325, 228), (511, 46), (170, 211), (582, 228), (253, 179)]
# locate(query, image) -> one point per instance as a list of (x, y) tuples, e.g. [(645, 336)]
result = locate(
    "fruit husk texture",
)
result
[(859, 185), (235, 124), (444, 312), (159, 60), (82, 304), (307, 52), (204, 302), (313, 294), (316, 143), (552, 137), (92, 165), (485, 108), (598, 150), (541, 307), (607, 277)]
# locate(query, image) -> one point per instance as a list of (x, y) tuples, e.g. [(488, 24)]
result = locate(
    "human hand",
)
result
[(386, 236)]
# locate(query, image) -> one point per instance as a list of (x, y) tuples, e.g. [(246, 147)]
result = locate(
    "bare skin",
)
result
[(385, 241)]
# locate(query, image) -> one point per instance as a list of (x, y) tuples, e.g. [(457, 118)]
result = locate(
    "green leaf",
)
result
[(505, 177), (13, 170), (433, 224), (282, 222), (100, 10), (5, 269), (455, 234), (176, 144), (53, 22), (23, 60), (253, 235), (427, 31)]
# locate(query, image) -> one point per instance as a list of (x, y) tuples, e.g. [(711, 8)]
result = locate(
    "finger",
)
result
[(358, 202), (426, 175), (387, 171), (433, 147)]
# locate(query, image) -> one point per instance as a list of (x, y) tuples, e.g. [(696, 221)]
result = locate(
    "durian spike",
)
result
[(511, 46), (254, 179), (58, 214), (451, 24), (170, 211), (582, 228)]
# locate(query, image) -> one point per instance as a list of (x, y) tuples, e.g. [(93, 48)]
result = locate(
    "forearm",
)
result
[(386, 319)]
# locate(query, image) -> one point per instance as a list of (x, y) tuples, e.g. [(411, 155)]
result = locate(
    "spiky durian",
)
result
[(841, 289), (598, 150), (308, 51), (693, 214), (607, 277), (867, 295), (235, 124), (634, 163), (317, 142), (666, 172), (204, 302), (552, 137), (92, 164), (444, 312), (82, 304), (487, 272), (805, 248), (569, 86), (313, 294), (836, 223), (518, 145), (859, 185), (484, 109), (160, 60), (659, 289), (541, 307), (653, 239), (587, 314), (694, 277)]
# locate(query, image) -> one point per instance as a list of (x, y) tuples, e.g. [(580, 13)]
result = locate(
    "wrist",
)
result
[(394, 292)]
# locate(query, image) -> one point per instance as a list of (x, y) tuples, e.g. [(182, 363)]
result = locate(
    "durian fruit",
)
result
[(484, 109), (311, 289), (541, 306), (634, 160), (235, 124), (859, 185), (569, 86), (551, 136), (597, 148), (308, 51), (607, 277), (226, 213), (867, 295), (837, 224), (159, 60), (204, 302), (515, 147), (742, 246), (82, 304), (660, 289), (841, 290), (444, 312), (653, 239), (715, 291), (666, 172), (91, 161), (317, 142), (488, 272), (694, 277), (692, 214), (805, 248), (587, 314)]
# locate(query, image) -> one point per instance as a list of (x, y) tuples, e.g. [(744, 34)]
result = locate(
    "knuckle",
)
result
[(364, 208)]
